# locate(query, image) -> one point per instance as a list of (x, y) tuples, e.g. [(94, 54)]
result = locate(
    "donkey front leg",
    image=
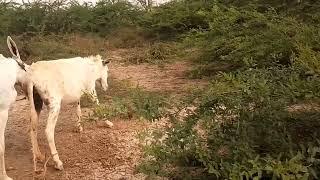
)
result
[(96, 100), (94, 97), (3, 122), (78, 124), (54, 110)]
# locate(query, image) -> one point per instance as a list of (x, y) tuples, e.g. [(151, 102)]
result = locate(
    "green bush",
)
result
[(245, 124), (153, 53), (62, 17), (135, 103), (259, 117), (50, 47), (176, 17), (243, 127), (126, 37), (249, 39)]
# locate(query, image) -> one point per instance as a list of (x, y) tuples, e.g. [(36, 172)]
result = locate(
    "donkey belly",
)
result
[(71, 94)]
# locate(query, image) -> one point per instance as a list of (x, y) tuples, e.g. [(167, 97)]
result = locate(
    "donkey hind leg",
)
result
[(38, 104), (54, 110)]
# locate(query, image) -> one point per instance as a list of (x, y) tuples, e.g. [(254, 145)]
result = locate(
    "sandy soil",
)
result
[(98, 153)]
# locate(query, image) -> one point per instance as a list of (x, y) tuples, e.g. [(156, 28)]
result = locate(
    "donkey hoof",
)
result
[(59, 166)]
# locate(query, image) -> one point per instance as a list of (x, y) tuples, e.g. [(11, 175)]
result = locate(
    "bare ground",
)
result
[(99, 152), (169, 77)]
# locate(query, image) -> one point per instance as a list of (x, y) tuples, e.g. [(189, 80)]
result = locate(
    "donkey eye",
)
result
[(105, 62)]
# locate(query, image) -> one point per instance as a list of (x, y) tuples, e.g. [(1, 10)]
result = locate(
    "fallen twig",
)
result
[(42, 175), (45, 168)]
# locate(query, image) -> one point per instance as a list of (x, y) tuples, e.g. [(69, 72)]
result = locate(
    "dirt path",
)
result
[(99, 153), (170, 77)]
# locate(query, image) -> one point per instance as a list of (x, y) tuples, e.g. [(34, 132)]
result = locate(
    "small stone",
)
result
[(109, 124), (77, 164), (83, 139)]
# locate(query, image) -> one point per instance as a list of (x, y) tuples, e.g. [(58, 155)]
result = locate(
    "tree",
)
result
[(146, 4)]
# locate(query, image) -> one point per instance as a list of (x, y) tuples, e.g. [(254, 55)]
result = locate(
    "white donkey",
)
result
[(56, 81), (12, 70)]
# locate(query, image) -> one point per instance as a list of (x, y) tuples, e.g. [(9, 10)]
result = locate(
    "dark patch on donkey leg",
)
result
[(37, 100)]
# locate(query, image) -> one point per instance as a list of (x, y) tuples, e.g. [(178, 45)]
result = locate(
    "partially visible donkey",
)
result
[(12, 70)]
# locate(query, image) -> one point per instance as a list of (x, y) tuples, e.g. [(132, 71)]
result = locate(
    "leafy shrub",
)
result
[(135, 103), (242, 128), (42, 17), (247, 123), (49, 48), (56, 46), (154, 53), (308, 60), (251, 38), (160, 52), (246, 38), (138, 56), (176, 17), (126, 38)]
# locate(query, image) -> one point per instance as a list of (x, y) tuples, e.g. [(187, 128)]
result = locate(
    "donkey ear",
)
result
[(13, 47)]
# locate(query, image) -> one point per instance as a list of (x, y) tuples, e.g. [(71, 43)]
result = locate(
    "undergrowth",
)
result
[(123, 101), (242, 128), (259, 117)]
